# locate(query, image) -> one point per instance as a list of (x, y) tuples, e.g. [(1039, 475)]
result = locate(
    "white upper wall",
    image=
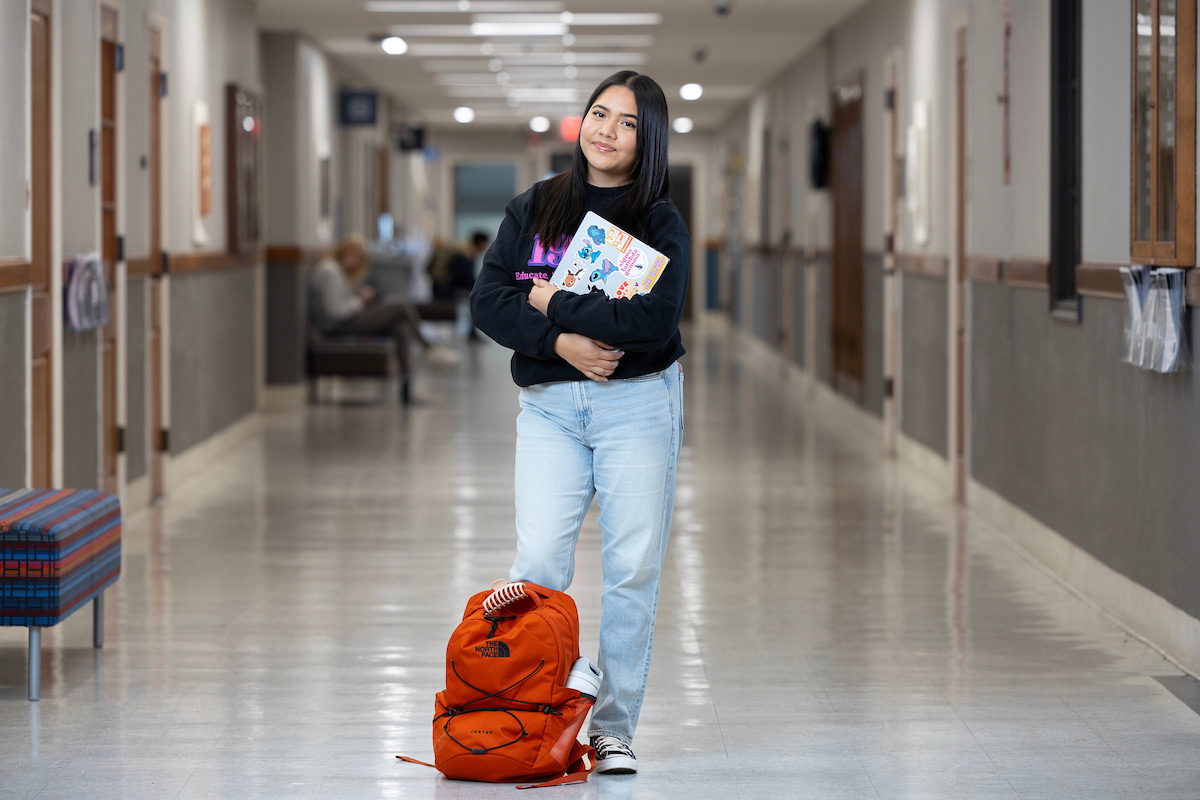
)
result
[(80, 106), (14, 96)]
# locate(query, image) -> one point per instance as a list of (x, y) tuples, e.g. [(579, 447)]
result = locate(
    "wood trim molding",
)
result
[(137, 267), (295, 254), (14, 273), (1099, 280), (928, 264), (985, 269), (209, 260), (1030, 273)]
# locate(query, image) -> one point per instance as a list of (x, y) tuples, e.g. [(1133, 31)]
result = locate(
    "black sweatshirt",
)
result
[(645, 326)]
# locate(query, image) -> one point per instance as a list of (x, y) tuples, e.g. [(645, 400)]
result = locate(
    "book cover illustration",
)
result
[(603, 258)]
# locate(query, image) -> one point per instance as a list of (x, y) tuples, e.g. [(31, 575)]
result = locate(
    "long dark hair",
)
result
[(562, 200)]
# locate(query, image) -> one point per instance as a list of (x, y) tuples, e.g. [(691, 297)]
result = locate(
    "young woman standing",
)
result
[(601, 397)]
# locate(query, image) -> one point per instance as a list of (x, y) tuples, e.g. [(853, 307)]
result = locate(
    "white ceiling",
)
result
[(730, 54)]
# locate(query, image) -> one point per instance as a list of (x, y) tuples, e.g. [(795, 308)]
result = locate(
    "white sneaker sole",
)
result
[(617, 765)]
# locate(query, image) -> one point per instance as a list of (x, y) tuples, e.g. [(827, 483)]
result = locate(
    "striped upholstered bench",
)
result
[(59, 548)]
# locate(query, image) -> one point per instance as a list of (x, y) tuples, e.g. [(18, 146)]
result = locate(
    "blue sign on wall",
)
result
[(358, 107)]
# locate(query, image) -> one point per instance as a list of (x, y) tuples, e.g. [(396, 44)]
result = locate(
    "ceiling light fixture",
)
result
[(539, 124), (451, 6), (518, 29), (691, 91), (682, 125), (464, 114), (394, 46)]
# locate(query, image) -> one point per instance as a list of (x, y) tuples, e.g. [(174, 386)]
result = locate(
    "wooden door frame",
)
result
[(958, 329), (158, 464), (117, 275), (893, 148), (54, 248)]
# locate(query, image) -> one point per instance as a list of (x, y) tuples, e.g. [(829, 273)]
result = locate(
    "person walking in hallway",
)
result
[(601, 387)]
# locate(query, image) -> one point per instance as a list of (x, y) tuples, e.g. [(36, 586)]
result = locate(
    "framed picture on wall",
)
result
[(202, 171), (243, 125), (323, 190)]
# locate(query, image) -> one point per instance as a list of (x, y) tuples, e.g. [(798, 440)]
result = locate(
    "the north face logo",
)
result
[(493, 650)]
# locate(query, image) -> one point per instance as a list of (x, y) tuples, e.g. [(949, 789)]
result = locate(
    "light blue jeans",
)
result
[(617, 441)]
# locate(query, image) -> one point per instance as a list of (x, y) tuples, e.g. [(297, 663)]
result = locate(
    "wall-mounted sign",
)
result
[(358, 107)]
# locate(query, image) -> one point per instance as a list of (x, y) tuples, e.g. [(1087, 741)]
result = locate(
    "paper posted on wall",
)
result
[(603, 258), (1155, 338)]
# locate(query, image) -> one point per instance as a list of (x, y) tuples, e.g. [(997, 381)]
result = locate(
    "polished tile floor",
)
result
[(830, 626)]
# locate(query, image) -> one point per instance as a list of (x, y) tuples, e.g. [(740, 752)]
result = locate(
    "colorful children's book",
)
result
[(604, 258)]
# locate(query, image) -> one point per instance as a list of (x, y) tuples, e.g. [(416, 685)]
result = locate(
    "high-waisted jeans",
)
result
[(617, 441)]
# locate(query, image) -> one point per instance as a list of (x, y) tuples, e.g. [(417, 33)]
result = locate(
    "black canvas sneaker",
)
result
[(613, 757)]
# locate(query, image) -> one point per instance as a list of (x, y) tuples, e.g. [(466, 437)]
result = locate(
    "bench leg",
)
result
[(35, 661), (98, 621)]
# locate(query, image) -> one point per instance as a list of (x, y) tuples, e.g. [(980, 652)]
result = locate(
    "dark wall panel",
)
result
[(287, 307), (1102, 452), (873, 333), (136, 421), (12, 389), (924, 377), (213, 369), (81, 410)]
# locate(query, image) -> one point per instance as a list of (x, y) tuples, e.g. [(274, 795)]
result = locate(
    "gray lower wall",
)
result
[(136, 421), (81, 410), (924, 364), (1101, 452), (825, 318), (12, 388), (768, 298), (287, 326), (873, 333), (213, 361), (799, 298)]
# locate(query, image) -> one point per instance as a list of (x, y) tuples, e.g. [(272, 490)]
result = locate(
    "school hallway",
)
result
[(830, 624)]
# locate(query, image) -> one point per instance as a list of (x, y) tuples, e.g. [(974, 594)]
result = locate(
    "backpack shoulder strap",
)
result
[(583, 761)]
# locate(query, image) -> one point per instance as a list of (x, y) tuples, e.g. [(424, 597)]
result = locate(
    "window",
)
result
[(1066, 139), (1163, 192)]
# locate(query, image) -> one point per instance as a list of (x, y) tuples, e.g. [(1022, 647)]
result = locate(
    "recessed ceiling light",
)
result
[(682, 125), (691, 91), (539, 124), (394, 46), (464, 114)]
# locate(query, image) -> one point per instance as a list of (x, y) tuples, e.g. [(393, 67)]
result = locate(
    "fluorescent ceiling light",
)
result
[(432, 31), (451, 6), (464, 114), (394, 46), (567, 18), (691, 91), (682, 125), (539, 124), (518, 29)]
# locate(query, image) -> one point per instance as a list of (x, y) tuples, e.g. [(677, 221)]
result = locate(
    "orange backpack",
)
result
[(506, 714)]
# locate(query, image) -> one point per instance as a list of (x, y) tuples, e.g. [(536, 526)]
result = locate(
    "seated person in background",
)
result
[(452, 270), (342, 306), (452, 267)]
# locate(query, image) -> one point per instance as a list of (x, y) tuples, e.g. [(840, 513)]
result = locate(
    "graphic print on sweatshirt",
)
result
[(546, 258)]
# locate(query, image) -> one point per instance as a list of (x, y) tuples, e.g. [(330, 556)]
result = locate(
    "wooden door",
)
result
[(108, 214), (158, 443), (846, 184), (41, 364)]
